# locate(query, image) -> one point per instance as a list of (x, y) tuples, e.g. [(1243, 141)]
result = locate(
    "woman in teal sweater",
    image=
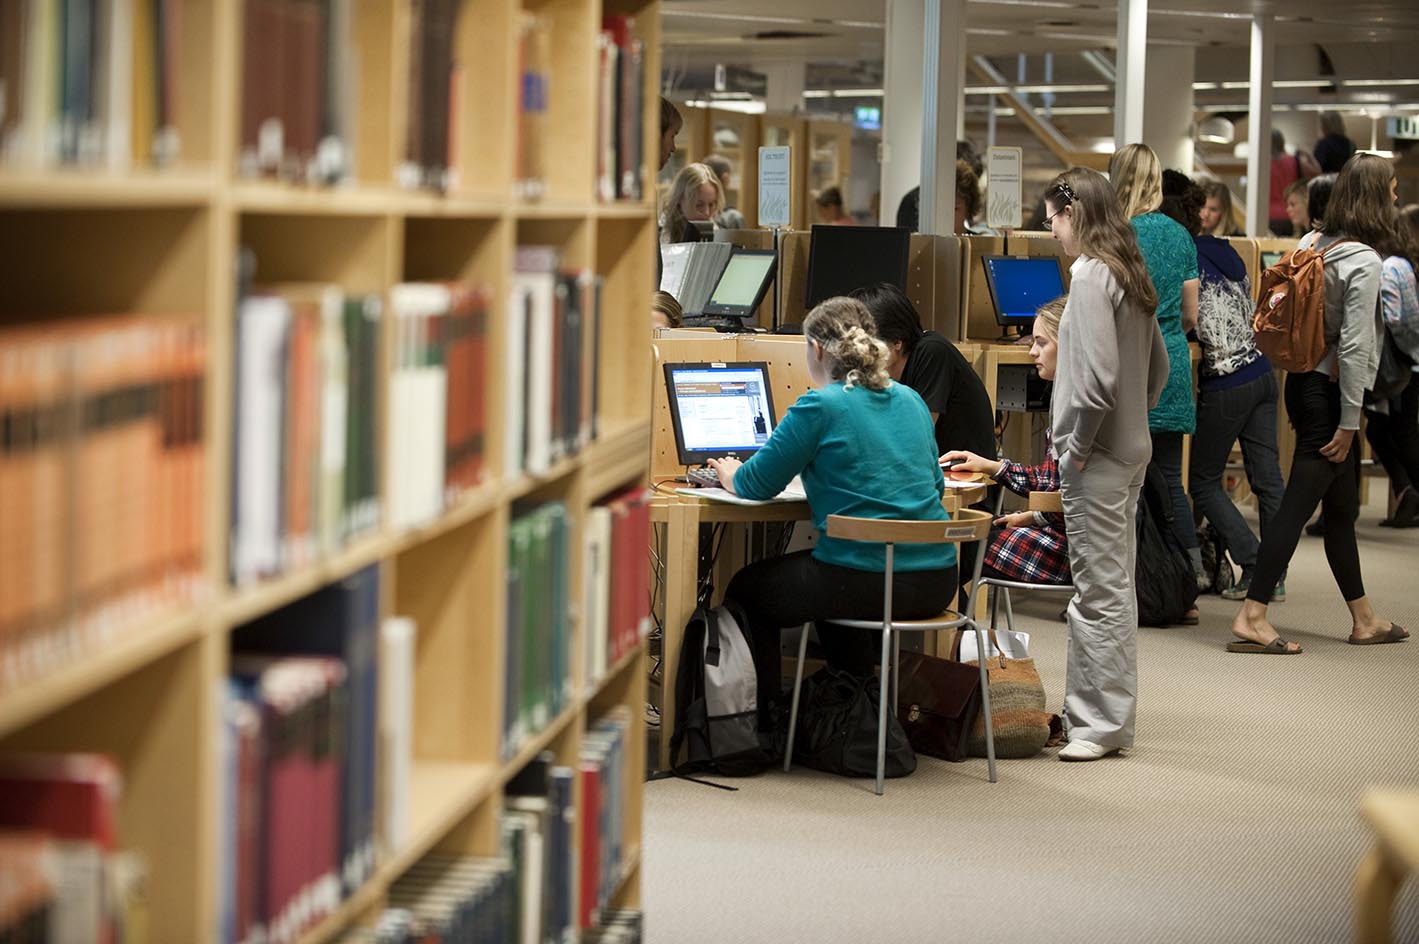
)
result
[(1171, 257), (865, 447)]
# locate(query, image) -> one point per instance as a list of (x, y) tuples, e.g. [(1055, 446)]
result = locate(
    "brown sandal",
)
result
[(1397, 633), (1277, 647)]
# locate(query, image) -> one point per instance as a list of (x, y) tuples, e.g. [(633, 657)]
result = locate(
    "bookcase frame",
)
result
[(165, 242)]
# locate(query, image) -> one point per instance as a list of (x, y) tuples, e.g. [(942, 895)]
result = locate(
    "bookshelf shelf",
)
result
[(149, 640), (138, 243)]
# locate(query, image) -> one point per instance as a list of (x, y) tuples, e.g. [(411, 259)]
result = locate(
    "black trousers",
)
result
[(1313, 403), (1395, 438), (797, 588)]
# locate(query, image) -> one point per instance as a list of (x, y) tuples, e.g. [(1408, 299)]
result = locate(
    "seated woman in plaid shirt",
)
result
[(1030, 547)]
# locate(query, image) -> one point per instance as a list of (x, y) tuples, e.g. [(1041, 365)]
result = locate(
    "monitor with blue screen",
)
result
[(1019, 286), (719, 410)]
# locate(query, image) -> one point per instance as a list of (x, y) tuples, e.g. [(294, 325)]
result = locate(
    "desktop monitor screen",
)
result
[(843, 258), (719, 410), (1019, 286), (1269, 259), (742, 285)]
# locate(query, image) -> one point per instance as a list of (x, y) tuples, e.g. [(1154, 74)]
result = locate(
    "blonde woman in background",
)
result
[(1112, 365), (1217, 217), (1171, 257), (864, 446), (695, 195)]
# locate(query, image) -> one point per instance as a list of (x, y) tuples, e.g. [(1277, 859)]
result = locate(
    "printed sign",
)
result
[(1406, 129), (1002, 192), (774, 166)]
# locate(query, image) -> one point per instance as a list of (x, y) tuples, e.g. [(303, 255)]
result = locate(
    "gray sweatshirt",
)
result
[(1112, 367), (1353, 320)]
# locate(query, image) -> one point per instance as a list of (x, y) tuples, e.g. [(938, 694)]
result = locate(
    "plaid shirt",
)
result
[(1032, 555)]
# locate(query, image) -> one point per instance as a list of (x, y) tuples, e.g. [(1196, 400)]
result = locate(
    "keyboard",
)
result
[(705, 477)]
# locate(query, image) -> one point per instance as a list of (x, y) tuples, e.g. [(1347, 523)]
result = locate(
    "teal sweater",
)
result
[(1171, 262), (864, 453)]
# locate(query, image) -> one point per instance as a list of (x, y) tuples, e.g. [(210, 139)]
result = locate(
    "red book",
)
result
[(590, 844), (66, 796)]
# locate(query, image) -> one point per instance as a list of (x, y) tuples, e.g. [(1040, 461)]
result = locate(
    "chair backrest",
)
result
[(1046, 501), (967, 525)]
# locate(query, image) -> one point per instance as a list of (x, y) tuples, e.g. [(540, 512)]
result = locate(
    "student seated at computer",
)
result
[(1030, 545), (863, 446), (931, 365), (695, 195)]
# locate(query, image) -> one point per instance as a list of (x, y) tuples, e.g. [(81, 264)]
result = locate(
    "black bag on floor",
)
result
[(837, 727), (1163, 578), (716, 699)]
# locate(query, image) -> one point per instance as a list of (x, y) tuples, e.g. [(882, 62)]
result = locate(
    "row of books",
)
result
[(553, 352), (537, 672), (299, 89), (101, 482), (437, 394), (620, 135), (63, 875), (616, 592), (601, 766), (539, 840), (315, 687), (305, 465), (90, 82)]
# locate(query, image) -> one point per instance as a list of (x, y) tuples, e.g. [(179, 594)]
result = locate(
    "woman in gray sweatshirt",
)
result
[(1324, 405), (1112, 367)]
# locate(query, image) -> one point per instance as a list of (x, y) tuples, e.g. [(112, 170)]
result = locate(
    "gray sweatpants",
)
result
[(1101, 678)]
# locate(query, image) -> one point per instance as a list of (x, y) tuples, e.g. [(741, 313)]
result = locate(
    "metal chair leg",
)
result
[(882, 706), (797, 688), (985, 702), (1009, 611)]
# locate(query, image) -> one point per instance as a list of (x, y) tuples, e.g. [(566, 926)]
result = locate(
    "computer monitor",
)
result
[(843, 258), (742, 285), (1269, 259), (719, 410), (1019, 287), (696, 231)]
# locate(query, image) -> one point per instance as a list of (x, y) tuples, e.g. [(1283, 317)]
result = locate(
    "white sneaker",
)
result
[(1079, 749)]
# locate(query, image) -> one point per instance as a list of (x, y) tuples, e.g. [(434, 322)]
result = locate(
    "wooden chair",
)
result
[(999, 588), (966, 526)]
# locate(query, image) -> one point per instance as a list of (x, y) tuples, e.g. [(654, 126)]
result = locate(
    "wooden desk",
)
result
[(682, 516), (1393, 816)]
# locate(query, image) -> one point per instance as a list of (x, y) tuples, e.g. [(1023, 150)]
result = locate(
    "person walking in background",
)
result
[(1171, 258), (853, 427), (830, 207), (1297, 207), (1324, 406), (1237, 389), (1317, 201), (1112, 365), (1031, 546), (1286, 169), (729, 217), (1334, 147), (1392, 425)]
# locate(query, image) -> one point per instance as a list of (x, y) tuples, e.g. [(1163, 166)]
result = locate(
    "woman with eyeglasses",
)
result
[(1112, 366)]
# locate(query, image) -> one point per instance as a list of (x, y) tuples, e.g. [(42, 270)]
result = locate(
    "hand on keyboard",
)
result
[(705, 478)]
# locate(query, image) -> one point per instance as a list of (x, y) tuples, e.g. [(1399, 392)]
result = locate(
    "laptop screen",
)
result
[(719, 410), (1020, 286)]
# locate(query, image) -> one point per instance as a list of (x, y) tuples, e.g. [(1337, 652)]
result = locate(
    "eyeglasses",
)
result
[(1049, 220), (1060, 191)]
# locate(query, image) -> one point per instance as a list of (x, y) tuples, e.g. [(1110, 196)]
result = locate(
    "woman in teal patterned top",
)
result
[(1171, 256)]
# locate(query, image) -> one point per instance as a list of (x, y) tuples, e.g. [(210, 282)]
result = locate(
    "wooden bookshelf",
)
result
[(164, 242)]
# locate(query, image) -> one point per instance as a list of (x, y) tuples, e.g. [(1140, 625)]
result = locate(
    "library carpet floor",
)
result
[(1233, 820)]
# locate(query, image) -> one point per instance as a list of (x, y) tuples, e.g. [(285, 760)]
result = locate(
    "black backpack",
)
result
[(1163, 578), (716, 699)]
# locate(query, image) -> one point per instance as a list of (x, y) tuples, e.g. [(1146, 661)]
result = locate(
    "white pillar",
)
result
[(1263, 54), (943, 77), (1131, 80), (901, 104), (785, 81), (1167, 105)]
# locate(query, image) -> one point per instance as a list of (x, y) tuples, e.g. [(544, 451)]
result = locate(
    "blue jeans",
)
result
[(1246, 413), (1167, 456)]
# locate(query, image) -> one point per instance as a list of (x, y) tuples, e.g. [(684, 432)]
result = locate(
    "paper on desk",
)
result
[(793, 492), (954, 483)]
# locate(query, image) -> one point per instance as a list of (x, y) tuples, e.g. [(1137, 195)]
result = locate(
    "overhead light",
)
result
[(747, 108), (817, 93), (1077, 110), (986, 89), (1064, 88), (738, 17), (1204, 14), (857, 93), (1204, 86), (1103, 147), (1047, 4), (1216, 130), (1370, 83)]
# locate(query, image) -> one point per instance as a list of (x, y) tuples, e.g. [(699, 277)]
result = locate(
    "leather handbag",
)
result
[(937, 704)]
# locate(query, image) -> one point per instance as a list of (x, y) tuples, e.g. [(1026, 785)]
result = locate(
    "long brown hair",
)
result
[(1361, 206), (1103, 232), (1406, 235), (1137, 178)]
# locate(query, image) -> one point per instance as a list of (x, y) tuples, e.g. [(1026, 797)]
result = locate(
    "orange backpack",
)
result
[(1290, 310)]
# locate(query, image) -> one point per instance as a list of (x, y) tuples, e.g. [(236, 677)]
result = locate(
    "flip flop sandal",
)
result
[(1277, 647), (1397, 633)]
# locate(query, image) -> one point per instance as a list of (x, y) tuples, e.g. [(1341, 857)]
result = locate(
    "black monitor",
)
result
[(719, 410), (742, 285), (697, 231), (844, 258), (1019, 286)]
